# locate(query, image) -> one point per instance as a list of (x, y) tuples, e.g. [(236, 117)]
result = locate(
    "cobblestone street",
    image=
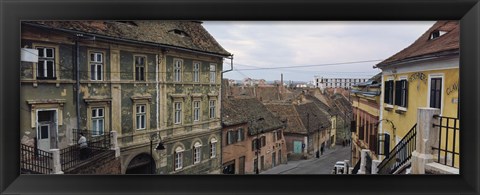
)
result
[(322, 165)]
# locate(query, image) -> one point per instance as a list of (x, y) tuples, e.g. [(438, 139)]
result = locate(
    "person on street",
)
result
[(82, 143)]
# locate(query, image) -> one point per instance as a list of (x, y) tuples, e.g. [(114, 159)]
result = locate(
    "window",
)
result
[(279, 135), (197, 153), (231, 137), (196, 110), (177, 71), (383, 144), (263, 141), (401, 89), (96, 66), (141, 117), (46, 63), (436, 93), (139, 68), (196, 72), (388, 97), (240, 134), (213, 74), (255, 144), (212, 109), (98, 119), (178, 160), (178, 112), (213, 149), (437, 33)]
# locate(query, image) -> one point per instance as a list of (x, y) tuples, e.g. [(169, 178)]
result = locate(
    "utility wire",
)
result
[(303, 66)]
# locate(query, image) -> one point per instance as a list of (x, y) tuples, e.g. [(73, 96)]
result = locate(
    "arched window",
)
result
[(197, 152), (178, 157)]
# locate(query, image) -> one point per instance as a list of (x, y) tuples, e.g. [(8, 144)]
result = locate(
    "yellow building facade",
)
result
[(423, 75)]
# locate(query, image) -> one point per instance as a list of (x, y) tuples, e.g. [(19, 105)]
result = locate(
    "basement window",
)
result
[(437, 33)]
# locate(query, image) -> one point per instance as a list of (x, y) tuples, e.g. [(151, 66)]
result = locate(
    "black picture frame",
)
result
[(467, 11)]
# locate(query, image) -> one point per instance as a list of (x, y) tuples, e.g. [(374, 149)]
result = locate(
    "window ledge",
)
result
[(388, 107), (400, 110)]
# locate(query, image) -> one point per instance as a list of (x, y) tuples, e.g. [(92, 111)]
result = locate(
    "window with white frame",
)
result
[(401, 93), (196, 110), (141, 117), (213, 73), (213, 148), (140, 68), (177, 71), (240, 136), (196, 72), (46, 63), (212, 109), (178, 112), (96, 66), (197, 153), (98, 118), (178, 158)]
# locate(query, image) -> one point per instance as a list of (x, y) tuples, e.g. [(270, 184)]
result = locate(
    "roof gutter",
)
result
[(131, 41), (420, 58)]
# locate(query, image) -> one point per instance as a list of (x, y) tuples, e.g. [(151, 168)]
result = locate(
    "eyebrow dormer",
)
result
[(437, 33), (179, 32)]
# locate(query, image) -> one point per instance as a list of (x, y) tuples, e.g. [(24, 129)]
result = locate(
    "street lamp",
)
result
[(154, 137), (257, 148)]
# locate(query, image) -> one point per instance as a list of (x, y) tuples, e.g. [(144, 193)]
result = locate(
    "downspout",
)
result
[(221, 111), (157, 99), (77, 66)]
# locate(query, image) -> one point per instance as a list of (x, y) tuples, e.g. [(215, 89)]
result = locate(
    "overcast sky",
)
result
[(262, 44)]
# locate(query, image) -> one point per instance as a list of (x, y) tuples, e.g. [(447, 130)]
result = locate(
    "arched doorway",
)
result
[(141, 164)]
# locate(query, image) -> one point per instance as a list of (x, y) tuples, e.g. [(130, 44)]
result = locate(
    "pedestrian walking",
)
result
[(82, 143), (321, 150)]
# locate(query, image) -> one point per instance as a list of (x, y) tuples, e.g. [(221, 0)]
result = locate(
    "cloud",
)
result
[(279, 44)]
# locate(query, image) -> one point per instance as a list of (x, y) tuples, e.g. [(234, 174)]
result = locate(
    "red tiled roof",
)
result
[(425, 47)]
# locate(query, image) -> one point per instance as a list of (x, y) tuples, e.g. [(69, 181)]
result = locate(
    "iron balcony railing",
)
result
[(400, 154), (34, 160), (448, 152), (356, 167), (96, 145)]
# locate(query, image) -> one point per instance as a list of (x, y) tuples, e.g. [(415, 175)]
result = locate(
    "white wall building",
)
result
[(331, 82)]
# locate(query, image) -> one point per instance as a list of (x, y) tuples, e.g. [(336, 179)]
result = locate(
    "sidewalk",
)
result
[(294, 164)]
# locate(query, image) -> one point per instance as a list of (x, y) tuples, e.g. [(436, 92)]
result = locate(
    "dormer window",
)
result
[(179, 32), (437, 33)]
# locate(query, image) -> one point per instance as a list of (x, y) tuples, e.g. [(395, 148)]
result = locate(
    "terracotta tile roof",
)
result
[(242, 110), (312, 117), (183, 34), (287, 112), (426, 47)]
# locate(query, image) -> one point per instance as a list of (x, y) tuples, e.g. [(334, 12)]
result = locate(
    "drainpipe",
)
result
[(157, 83), (77, 65), (221, 111)]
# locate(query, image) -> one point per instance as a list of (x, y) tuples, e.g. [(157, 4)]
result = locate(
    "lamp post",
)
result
[(154, 137), (257, 148)]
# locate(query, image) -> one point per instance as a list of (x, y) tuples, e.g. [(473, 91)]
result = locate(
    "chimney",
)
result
[(281, 83)]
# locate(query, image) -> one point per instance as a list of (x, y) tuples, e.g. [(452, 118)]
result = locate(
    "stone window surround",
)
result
[(141, 100), (56, 60), (181, 69), (145, 75), (98, 102), (56, 104), (89, 52)]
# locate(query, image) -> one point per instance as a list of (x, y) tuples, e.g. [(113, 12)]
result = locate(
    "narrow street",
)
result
[(322, 165)]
